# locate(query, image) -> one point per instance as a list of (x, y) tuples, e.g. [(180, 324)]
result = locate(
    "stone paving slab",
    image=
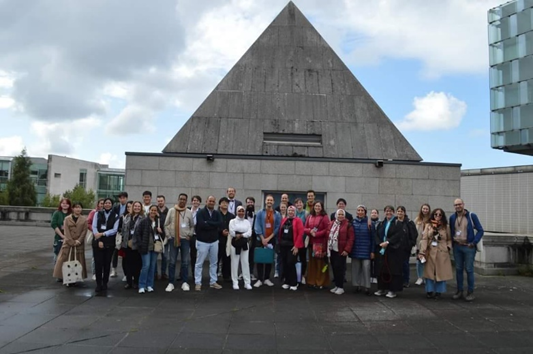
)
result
[(38, 315)]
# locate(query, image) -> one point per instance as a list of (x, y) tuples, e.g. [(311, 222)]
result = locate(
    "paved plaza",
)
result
[(38, 315)]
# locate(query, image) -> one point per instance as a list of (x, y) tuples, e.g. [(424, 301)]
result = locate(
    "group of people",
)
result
[(306, 246)]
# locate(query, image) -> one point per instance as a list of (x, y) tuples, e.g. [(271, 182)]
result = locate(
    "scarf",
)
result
[(387, 225), (334, 233), (177, 239)]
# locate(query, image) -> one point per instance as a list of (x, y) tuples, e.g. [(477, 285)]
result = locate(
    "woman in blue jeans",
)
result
[(148, 233)]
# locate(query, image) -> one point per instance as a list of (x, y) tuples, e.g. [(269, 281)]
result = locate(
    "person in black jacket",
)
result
[(208, 223), (146, 235), (105, 226), (396, 237), (224, 261), (341, 204), (162, 213)]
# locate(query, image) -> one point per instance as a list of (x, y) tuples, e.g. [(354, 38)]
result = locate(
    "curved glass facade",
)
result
[(511, 76)]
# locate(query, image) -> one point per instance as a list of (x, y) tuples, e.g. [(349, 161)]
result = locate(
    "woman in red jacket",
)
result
[(340, 242), (317, 227), (291, 239)]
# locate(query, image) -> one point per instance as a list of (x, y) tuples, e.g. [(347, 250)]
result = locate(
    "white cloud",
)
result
[(132, 120), (435, 111), (6, 80), (63, 138), (6, 102), (11, 146), (112, 160)]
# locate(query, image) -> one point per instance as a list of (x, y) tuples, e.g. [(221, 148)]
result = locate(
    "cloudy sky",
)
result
[(94, 79)]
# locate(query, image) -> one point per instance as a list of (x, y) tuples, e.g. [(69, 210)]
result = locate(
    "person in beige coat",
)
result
[(435, 252), (179, 228), (75, 230)]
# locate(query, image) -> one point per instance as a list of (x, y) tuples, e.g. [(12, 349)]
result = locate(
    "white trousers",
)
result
[(243, 260)]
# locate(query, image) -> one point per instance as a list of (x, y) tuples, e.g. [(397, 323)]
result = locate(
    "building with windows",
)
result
[(288, 117), (57, 174), (511, 76)]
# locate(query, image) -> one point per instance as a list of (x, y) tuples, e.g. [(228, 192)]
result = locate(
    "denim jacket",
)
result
[(259, 226)]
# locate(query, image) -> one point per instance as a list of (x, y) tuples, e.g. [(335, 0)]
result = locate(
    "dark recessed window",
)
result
[(292, 139), (57, 175)]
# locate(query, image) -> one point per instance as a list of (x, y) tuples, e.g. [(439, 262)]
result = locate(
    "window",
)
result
[(83, 178), (57, 175), (293, 139)]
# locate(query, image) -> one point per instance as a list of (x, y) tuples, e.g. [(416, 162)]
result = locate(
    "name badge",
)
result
[(156, 237), (458, 233), (286, 231), (434, 244), (184, 225), (104, 227), (132, 232), (268, 225)]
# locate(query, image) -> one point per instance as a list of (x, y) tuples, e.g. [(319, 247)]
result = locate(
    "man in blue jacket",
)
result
[(266, 226), (465, 240)]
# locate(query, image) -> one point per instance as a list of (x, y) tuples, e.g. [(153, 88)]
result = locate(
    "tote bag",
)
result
[(264, 255), (72, 270)]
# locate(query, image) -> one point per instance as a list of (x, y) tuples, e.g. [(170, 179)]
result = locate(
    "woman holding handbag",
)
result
[(132, 259), (75, 229), (316, 227), (149, 240), (240, 231), (435, 249)]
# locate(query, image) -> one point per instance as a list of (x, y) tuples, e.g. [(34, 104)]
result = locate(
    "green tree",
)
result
[(51, 200), (4, 200), (20, 187), (79, 194)]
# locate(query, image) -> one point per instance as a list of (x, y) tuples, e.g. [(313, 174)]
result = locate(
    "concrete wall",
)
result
[(28, 216), (70, 173), (359, 183), (503, 201)]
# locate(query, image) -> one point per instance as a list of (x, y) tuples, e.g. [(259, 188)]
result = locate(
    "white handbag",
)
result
[(89, 238), (118, 241), (72, 270)]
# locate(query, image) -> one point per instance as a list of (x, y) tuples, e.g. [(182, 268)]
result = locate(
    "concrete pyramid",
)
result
[(291, 95)]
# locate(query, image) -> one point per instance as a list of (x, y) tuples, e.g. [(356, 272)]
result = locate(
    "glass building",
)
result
[(511, 76), (110, 183)]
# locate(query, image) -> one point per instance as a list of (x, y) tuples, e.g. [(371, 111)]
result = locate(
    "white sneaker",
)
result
[(185, 287), (124, 278), (303, 281), (169, 288), (276, 274), (94, 276), (252, 277), (141, 291), (258, 284), (150, 289), (380, 293), (294, 288), (419, 281), (391, 295), (333, 290), (235, 286), (269, 283), (285, 286), (113, 273), (339, 291), (248, 287)]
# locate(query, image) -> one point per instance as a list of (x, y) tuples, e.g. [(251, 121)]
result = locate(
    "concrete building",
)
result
[(288, 117), (511, 76), (58, 174)]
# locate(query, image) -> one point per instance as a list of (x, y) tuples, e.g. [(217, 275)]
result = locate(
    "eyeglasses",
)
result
[(458, 204)]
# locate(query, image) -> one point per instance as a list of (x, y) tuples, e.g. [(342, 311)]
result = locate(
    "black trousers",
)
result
[(102, 263), (338, 264), (302, 254), (288, 262), (115, 258), (223, 258), (263, 271), (194, 252), (133, 264), (251, 255)]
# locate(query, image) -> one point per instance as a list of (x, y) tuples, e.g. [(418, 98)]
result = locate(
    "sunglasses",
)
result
[(437, 214)]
